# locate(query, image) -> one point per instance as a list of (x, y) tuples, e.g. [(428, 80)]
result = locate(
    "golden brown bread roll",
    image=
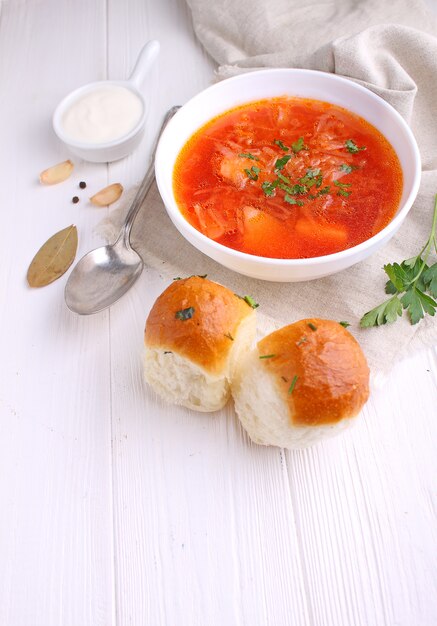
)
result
[(302, 383), (195, 336)]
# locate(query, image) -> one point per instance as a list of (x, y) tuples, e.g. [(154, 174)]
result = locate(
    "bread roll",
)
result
[(301, 384), (195, 337)]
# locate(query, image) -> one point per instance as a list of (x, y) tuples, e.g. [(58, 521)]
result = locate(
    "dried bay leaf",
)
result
[(53, 258)]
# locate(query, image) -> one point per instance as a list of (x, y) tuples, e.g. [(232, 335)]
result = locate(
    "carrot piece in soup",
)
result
[(332, 234), (259, 229)]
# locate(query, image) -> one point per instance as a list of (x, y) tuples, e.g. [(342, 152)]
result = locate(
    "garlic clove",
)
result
[(108, 195), (57, 173)]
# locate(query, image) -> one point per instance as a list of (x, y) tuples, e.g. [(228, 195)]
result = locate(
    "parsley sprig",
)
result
[(412, 284)]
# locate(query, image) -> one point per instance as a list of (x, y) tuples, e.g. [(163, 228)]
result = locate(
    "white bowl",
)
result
[(273, 83), (105, 152)]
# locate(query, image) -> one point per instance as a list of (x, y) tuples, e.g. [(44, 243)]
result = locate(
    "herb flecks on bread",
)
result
[(302, 383)]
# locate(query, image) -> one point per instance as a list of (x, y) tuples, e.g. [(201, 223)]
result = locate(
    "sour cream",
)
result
[(102, 115)]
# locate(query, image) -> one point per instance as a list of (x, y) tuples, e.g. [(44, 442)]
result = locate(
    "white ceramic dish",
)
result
[(121, 147), (272, 83)]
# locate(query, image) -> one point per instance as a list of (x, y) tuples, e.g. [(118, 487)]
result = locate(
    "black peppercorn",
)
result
[(75, 200), (82, 184)]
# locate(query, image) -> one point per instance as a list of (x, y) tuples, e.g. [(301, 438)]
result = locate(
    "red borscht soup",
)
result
[(288, 178)]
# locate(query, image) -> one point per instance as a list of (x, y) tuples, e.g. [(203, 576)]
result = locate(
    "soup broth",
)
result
[(288, 178)]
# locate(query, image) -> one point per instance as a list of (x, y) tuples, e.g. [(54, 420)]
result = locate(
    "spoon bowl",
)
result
[(102, 277), (105, 274)]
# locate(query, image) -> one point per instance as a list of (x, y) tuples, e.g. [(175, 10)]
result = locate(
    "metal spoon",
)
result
[(105, 274)]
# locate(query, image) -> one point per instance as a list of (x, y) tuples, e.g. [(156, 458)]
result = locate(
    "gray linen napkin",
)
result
[(386, 46)]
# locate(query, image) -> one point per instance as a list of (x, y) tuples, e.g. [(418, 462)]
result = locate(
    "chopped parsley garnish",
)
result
[(321, 192), (251, 302), (299, 189), (279, 143), (352, 147), (292, 200), (284, 179), (344, 167), (309, 185), (229, 336), (311, 178), (342, 191), (301, 341), (253, 172), (344, 324), (267, 356), (307, 182), (284, 187), (312, 326), (269, 188), (248, 155), (292, 386), (192, 276), (185, 314), (282, 162), (313, 173), (298, 145)]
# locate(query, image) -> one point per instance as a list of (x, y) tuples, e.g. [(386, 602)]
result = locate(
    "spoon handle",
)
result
[(145, 184)]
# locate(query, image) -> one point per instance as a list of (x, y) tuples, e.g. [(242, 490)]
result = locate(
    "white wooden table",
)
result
[(117, 510)]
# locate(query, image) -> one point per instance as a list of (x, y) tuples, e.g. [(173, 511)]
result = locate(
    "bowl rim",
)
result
[(177, 217), (74, 95)]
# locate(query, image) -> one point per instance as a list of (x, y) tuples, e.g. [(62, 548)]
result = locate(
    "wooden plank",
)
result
[(55, 431), (366, 514), (204, 530)]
